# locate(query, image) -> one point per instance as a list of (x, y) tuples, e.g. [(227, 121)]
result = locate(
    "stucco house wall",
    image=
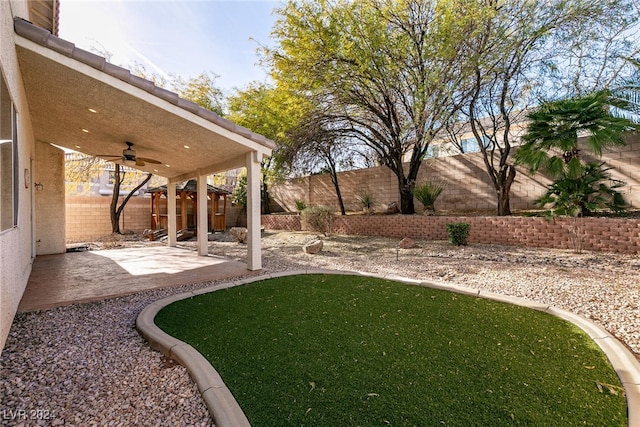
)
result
[(49, 175), (16, 244)]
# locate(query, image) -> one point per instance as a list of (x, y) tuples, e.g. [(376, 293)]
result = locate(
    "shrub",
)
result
[(318, 218), (458, 233), (427, 194), (366, 200), (240, 193), (300, 205), (591, 191)]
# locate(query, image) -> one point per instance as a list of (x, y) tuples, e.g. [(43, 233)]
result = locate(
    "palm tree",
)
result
[(552, 146), (629, 92)]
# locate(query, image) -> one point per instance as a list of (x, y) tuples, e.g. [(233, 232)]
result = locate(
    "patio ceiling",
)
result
[(64, 84)]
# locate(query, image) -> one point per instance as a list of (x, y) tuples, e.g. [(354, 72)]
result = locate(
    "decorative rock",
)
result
[(239, 233), (313, 247), (406, 243), (393, 208)]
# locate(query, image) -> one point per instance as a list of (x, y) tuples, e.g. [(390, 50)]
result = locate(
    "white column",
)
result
[(203, 231), (171, 214), (254, 250)]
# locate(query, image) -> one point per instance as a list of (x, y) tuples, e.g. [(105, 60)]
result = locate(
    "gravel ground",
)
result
[(86, 365)]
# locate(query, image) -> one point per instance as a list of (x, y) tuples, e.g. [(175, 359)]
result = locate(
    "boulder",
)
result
[(239, 233), (313, 247), (393, 208), (406, 243)]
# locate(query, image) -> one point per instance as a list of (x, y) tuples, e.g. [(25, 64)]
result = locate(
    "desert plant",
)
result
[(300, 205), (318, 218), (366, 200), (585, 194), (458, 233), (427, 194)]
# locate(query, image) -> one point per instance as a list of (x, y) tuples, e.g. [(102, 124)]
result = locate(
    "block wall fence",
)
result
[(469, 188), (597, 234), (87, 217)]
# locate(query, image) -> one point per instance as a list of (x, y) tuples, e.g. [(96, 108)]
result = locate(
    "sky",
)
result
[(180, 37)]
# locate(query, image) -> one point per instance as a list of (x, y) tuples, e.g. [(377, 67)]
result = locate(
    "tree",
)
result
[(628, 91), (520, 52), (313, 146), (385, 72), (202, 90), (271, 113), (552, 145), (80, 169), (115, 210)]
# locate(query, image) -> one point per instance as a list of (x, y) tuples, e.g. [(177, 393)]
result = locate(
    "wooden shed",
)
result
[(186, 204)]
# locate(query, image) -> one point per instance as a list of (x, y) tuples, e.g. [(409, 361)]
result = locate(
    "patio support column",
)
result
[(171, 214), (254, 250), (203, 235)]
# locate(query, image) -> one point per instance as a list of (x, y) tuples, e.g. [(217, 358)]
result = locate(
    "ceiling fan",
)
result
[(129, 157)]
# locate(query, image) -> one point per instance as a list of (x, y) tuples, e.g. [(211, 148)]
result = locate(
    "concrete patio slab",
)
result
[(64, 279)]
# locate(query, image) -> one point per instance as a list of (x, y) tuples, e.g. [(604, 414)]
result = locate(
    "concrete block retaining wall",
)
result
[(597, 234)]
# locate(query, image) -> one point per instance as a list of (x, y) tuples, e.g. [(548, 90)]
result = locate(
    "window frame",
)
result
[(14, 161)]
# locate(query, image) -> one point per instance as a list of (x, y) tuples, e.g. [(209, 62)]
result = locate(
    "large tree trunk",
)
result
[(334, 179), (113, 208), (505, 179), (264, 194), (406, 197)]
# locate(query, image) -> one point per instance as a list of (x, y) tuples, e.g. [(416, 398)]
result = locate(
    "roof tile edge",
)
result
[(44, 38)]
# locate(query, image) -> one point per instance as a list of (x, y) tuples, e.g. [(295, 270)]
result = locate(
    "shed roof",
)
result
[(190, 186)]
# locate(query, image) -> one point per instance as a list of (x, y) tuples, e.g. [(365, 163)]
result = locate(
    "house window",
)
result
[(8, 160), (470, 145), (432, 151)]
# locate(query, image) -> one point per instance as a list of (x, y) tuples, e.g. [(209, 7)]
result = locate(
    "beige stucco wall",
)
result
[(16, 244), (49, 202)]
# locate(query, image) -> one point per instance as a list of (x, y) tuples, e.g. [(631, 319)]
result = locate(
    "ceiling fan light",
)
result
[(129, 162)]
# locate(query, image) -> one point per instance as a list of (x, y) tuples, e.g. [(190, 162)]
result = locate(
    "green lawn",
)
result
[(323, 350)]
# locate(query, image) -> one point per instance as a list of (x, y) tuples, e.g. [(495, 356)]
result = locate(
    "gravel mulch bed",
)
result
[(85, 364)]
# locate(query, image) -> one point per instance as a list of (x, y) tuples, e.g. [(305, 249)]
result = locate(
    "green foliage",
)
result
[(628, 91), (458, 233), (384, 72), (585, 194), (428, 192), (366, 200), (552, 145), (300, 205), (239, 196), (324, 350), (202, 90), (551, 141), (318, 218)]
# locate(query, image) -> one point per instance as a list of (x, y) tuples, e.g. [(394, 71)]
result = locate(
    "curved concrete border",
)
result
[(226, 412)]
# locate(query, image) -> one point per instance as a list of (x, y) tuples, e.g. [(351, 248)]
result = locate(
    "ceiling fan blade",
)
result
[(155, 162), (139, 162), (115, 156)]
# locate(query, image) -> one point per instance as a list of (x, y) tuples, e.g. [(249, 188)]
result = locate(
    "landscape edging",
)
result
[(226, 411)]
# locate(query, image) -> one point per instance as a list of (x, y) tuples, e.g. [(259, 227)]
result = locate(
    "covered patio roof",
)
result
[(79, 101)]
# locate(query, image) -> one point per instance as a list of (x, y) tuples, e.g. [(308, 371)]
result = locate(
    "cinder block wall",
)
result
[(597, 234), (469, 188), (88, 217)]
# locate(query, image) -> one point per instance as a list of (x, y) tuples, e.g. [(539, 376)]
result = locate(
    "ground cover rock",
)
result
[(313, 247)]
